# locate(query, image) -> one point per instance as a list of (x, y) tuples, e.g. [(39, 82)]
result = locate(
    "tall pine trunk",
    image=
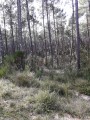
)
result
[(29, 28), (44, 32), (72, 40), (49, 32), (12, 35), (1, 47), (78, 36), (5, 35), (20, 40)]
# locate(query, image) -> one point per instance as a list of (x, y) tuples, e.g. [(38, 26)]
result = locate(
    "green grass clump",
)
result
[(39, 73), (60, 89), (45, 101), (83, 86), (7, 66), (3, 71), (84, 89), (9, 59), (7, 95), (51, 75), (60, 78), (22, 80), (26, 81)]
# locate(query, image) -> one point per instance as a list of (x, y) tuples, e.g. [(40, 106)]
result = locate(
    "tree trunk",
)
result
[(72, 40), (29, 27), (49, 32), (19, 25), (12, 36), (44, 32), (78, 35), (1, 48), (5, 36)]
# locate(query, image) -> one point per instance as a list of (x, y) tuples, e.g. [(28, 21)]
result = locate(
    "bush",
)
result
[(51, 75), (9, 59), (22, 80), (16, 60), (84, 88), (39, 73), (55, 87), (19, 60), (45, 101), (7, 95), (26, 81), (61, 79), (70, 74), (86, 73), (10, 62), (3, 71)]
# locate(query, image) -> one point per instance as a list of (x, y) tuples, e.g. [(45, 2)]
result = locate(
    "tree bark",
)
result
[(78, 36), (20, 40), (44, 32), (49, 32), (11, 26)]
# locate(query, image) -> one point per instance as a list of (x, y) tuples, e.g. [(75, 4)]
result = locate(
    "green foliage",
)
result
[(9, 60), (51, 75), (22, 80), (7, 95), (70, 74), (26, 81), (3, 71), (18, 54), (84, 73), (45, 101), (60, 78), (83, 87), (19, 60), (39, 73), (1, 110), (85, 90), (61, 90), (7, 66)]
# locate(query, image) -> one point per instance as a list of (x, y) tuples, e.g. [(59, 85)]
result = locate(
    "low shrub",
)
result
[(7, 95), (9, 59), (19, 60), (51, 75), (84, 89), (70, 75), (39, 73), (45, 101), (22, 80), (86, 73), (61, 90), (26, 81), (3, 71), (61, 79)]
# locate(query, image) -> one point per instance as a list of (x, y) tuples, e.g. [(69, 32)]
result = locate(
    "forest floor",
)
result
[(25, 97)]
